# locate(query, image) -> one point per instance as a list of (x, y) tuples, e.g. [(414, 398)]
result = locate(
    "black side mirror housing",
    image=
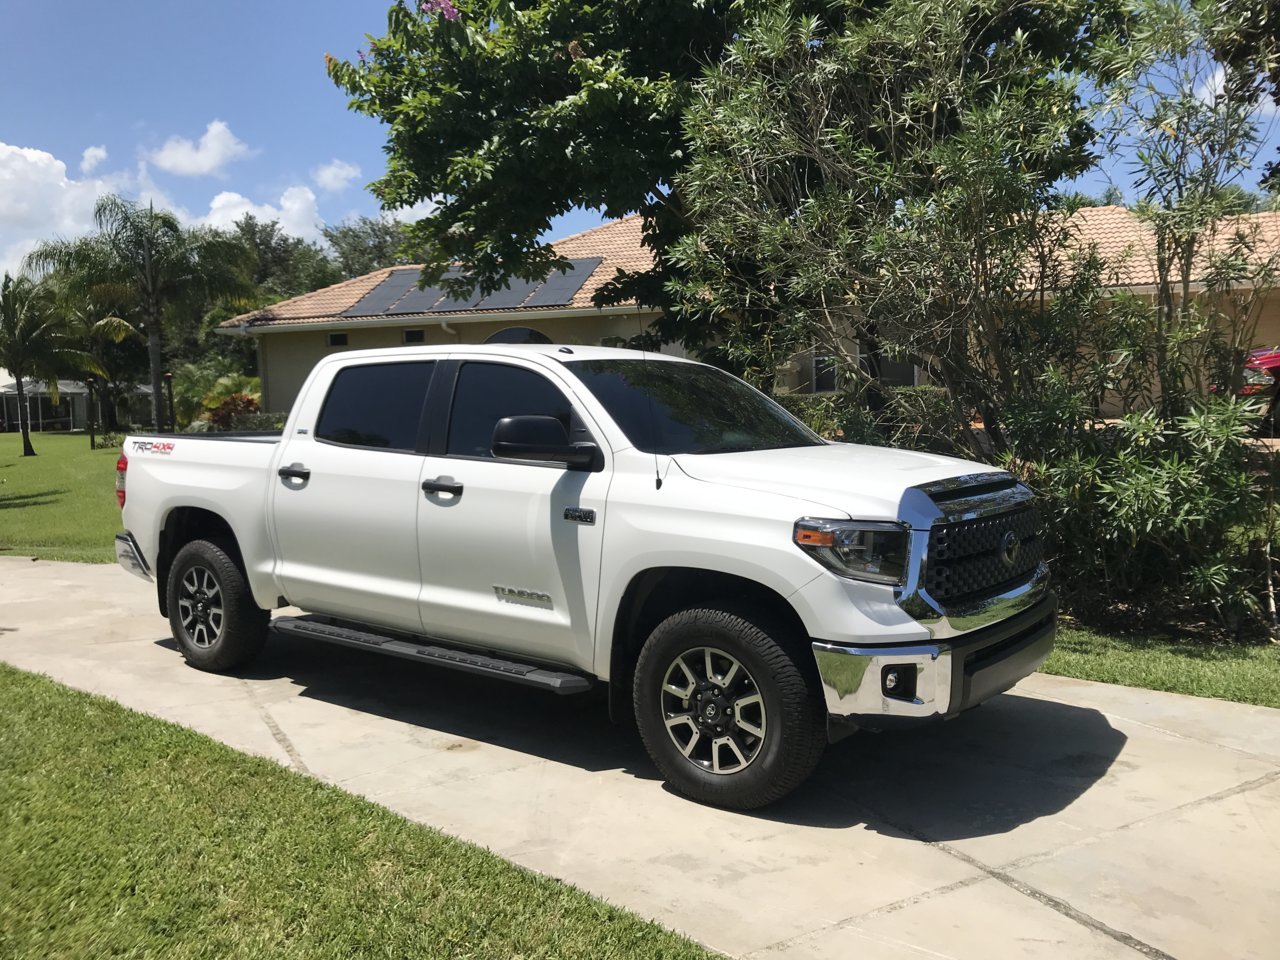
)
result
[(543, 439)]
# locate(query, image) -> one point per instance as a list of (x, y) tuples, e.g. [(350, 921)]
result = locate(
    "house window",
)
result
[(825, 372), (337, 339), (413, 336)]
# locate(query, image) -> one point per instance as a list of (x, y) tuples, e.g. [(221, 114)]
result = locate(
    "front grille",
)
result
[(968, 560)]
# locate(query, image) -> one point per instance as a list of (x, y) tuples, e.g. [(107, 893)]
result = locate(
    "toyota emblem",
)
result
[(1010, 547)]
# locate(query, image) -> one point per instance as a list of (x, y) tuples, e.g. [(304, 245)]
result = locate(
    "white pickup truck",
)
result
[(566, 516)]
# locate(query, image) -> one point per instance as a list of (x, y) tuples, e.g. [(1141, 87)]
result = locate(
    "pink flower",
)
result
[(445, 8)]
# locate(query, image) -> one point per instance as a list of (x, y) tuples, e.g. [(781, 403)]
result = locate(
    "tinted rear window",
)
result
[(378, 405)]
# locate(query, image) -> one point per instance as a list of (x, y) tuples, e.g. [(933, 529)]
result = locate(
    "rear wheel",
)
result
[(725, 710), (215, 622)]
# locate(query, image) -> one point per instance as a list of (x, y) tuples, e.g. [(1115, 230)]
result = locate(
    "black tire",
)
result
[(793, 717), (202, 574)]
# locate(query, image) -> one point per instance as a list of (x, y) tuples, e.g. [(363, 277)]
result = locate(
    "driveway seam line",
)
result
[(280, 737), (1175, 734), (1257, 783), (1056, 904)]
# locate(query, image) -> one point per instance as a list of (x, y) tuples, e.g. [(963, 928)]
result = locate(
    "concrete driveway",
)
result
[(1067, 819)]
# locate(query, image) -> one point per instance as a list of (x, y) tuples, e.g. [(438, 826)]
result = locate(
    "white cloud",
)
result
[(217, 147), (296, 211), (91, 158), (410, 214), (1211, 87), (335, 175), (39, 201)]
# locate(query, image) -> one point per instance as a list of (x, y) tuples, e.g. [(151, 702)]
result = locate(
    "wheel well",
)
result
[(181, 526), (655, 594)]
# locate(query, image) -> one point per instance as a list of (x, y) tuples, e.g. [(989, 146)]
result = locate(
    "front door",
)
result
[(345, 510), (511, 560)]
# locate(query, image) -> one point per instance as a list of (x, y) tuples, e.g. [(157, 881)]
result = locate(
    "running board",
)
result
[(451, 657)]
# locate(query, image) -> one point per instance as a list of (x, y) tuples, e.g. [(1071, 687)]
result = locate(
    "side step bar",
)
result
[(453, 658)]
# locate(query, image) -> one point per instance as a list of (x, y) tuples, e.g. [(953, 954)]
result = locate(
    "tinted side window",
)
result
[(375, 406), (487, 392)]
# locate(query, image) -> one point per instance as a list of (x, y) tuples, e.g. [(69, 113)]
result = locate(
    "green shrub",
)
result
[(1163, 517), (258, 421), (918, 418)]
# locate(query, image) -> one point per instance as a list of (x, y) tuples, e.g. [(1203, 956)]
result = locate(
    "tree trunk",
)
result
[(155, 359), (24, 423)]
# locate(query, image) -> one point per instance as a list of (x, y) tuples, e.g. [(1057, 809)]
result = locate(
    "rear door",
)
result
[(510, 561), (346, 499)]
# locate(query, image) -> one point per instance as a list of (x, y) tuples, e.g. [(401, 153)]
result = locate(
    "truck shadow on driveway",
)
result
[(1013, 760)]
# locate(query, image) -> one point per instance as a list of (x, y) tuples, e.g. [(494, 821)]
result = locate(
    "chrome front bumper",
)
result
[(934, 679), (130, 557)]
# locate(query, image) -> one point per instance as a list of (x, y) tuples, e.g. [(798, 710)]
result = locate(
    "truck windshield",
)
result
[(670, 408)]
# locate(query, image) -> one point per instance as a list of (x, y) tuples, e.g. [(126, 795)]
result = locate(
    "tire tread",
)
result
[(804, 731)]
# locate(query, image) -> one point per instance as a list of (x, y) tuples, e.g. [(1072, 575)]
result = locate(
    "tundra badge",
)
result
[(516, 595)]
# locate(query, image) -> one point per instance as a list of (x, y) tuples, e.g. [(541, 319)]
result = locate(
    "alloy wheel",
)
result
[(713, 710), (200, 606)]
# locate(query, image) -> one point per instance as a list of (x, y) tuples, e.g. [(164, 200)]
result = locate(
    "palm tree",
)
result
[(34, 342), (148, 255), (95, 311)]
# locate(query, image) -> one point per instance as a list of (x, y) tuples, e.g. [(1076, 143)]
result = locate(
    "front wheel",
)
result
[(725, 709), (217, 625)]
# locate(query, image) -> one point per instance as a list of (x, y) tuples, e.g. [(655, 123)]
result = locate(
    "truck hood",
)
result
[(862, 482)]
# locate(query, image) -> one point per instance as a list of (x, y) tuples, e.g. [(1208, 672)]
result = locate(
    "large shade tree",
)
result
[(509, 114), (35, 343), (149, 257), (882, 185), (364, 244)]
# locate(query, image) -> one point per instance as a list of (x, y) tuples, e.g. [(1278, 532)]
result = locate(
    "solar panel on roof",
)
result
[(559, 288), (377, 300), (420, 301), (466, 303), (512, 296)]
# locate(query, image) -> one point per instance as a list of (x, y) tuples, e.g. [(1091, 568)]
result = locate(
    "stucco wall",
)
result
[(288, 354)]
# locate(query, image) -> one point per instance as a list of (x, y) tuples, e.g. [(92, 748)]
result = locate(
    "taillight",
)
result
[(122, 466)]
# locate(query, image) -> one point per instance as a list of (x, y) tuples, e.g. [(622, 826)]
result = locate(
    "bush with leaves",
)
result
[(1157, 514), (230, 409), (918, 418)]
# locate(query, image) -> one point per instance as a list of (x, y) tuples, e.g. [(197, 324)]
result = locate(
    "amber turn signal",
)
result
[(815, 538)]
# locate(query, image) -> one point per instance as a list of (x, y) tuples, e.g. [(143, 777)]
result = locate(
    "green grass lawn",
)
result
[(59, 504), (1247, 674), (125, 836)]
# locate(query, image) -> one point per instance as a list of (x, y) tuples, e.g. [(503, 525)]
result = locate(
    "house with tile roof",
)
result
[(386, 308)]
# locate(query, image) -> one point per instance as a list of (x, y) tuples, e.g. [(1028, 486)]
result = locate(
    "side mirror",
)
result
[(541, 438)]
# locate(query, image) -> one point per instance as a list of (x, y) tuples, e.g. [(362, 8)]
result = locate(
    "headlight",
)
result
[(857, 549), (1258, 378)]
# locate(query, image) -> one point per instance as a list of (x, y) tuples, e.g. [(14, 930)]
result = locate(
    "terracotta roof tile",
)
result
[(617, 243), (1121, 238), (1128, 245)]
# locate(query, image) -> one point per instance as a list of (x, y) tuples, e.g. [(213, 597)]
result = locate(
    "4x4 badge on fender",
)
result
[(579, 515)]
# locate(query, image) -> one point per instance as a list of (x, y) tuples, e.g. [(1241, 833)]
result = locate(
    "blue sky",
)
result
[(213, 109)]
